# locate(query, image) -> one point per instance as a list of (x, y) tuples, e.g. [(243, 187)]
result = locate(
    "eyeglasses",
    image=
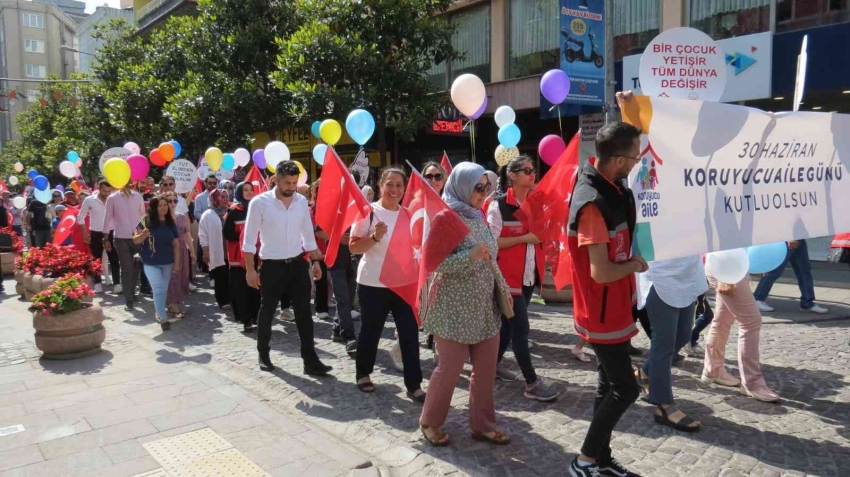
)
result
[(526, 170), (168, 184), (172, 201), (482, 188), (636, 159), (433, 177)]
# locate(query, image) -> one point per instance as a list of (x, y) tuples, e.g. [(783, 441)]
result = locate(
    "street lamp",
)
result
[(68, 48)]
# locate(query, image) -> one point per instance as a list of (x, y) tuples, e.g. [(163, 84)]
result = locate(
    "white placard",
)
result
[(113, 152), (184, 173), (589, 125), (683, 63), (204, 171)]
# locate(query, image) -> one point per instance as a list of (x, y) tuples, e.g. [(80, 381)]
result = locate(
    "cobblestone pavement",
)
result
[(807, 434)]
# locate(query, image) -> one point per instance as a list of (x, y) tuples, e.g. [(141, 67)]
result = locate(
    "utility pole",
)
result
[(610, 83)]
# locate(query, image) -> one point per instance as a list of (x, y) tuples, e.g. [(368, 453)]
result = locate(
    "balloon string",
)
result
[(472, 137), (561, 128)]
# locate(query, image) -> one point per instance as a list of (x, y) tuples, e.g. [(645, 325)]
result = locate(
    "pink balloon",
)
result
[(139, 167), (550, 148)]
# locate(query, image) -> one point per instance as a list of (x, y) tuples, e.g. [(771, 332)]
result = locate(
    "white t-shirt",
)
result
[(369, 270)]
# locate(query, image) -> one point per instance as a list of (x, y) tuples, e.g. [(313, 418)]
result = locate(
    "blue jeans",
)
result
[(515, 332), (671, 331), (799, 258), (158, 276)]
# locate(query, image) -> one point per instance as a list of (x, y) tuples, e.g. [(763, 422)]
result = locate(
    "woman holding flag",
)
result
[(463, 314), (521, 261), (371, 237)]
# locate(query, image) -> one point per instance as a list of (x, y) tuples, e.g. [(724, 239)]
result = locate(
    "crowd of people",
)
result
[(263, 250)]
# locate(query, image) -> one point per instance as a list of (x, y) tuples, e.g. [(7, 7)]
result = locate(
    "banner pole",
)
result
[(610, 83)]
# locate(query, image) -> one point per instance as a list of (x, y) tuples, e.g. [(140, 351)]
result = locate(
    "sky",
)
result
[(92, 4)]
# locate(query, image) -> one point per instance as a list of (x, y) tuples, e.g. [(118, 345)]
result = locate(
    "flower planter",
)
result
[(19, 276), (7, 263), (550, 295), (28, 280), (71, 335)]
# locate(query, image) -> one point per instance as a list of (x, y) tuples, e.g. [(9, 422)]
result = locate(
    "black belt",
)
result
[(284, 260)]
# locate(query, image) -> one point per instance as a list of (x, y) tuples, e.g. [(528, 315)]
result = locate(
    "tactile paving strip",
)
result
[(227, 463), (174, 451)]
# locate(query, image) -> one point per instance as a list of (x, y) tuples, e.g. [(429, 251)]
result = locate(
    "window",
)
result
[(799, 14), (732, 18), (36, 71), (533, 37), (33, 20), (635, 25), (472, 41), (32, 95), (34, 46)]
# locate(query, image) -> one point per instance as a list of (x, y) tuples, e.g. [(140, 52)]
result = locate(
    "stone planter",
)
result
[(72, 335), (19, 276), (7, 263), (550, 295), (28, 280)]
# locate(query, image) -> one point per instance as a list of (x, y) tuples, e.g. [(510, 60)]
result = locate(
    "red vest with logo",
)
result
[(603, 312), (512, 260)]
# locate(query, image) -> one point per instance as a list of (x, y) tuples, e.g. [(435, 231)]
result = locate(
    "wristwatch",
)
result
[(375, 238)]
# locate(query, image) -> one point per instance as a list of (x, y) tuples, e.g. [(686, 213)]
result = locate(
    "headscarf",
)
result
[(459, 188), (238, 194), (221, 185), (215, 196)]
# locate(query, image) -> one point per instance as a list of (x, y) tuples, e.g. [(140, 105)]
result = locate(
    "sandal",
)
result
[(365, 386), (581, 357), (440, 438), (643, 381), (498, 438), (684, 423), (420, 397), (177, 315)]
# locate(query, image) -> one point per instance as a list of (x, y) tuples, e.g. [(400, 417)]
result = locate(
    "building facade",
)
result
[(87, 45), (151, 13), (34, 43)]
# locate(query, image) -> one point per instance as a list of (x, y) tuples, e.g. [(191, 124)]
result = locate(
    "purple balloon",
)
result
[(259, 158), (555, 86), (60, 188), (480, 110)]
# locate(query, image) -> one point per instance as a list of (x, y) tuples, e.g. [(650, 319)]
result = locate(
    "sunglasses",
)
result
[(433, 177), (168, 184), (212, 183), (172, 201), (57, 196), (482, 188), (526, 170)]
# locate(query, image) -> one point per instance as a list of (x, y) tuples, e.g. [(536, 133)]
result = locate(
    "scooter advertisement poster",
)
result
[(583, 50)]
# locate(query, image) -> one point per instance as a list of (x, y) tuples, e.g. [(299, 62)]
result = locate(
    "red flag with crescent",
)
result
[(447, 165), (66, 226)]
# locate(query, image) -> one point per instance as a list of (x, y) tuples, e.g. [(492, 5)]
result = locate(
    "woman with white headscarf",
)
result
[(463, 314)]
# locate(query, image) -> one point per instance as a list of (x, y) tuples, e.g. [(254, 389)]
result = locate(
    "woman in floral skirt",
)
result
[(179, 284)]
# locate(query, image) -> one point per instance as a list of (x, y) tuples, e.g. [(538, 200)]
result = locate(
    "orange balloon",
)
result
[(167, 151), (156, 157)]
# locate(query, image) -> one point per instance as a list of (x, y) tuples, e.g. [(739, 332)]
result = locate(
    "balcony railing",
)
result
[(149, 8)]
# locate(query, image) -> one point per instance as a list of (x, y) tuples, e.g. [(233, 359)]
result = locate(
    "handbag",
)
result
[(502, 298), (838, 255)]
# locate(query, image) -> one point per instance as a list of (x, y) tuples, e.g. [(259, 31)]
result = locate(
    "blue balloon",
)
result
[(73, 156), (360, 125), (768, 257), (509, 135), (319, 153), (43, 196), (315, 129), (177, 148), (32, 173), (229, 162), (41, 183)]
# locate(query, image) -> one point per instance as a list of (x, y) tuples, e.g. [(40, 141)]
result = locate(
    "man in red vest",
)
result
[(602, 219)]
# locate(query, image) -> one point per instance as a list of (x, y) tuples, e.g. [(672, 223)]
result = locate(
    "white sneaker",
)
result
[(98, 288), (395, 354), (764, 306), (694, 350), (355, 315), (117, 289), (815, 309), (192, 288), (322, 316), (287, 315)]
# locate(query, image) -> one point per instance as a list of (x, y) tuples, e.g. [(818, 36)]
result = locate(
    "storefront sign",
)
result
[(296, 139), (726, 176), (683, 63), (449, 121), (582, 43), (749, 61)]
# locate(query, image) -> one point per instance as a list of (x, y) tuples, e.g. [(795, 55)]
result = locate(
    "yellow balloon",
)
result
[(214, 158), (117, 172), (330, 131), (270, 168)]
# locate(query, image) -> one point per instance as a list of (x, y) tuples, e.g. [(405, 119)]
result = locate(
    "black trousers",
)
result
[(321, 301), (221, 288), (244, 299), (643, 317), (290, 276), (616, 391), (96, 247), (375, 304)]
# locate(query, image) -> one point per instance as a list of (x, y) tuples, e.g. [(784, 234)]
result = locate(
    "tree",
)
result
[(371, 54)]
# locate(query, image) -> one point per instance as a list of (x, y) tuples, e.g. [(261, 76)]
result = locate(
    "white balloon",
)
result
[(504, 115), (13, 180), (68, 169), (133, 148), (19, 202), (728, 266), (468, 94), (276, 152), (19, 167), (243, 157)]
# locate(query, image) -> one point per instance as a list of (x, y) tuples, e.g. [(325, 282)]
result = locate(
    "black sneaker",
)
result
[(165, 325), (265, 361), (317, 369), (615, 468), (351, 348), (129, 307), (338, 338), (678, 359), (590, 470), (249, 327)]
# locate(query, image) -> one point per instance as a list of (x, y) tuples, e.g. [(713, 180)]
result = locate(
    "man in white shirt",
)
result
[(281, 219), (95, 208)]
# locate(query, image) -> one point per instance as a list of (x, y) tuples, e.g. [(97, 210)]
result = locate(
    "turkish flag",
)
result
[(446, 164), (411, 257), (256, 179), (66, 226), (3, 187), (339, 204)]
